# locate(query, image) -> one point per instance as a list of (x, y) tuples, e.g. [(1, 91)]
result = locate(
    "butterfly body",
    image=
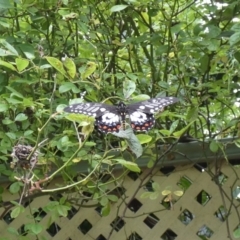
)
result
[(110, 118)]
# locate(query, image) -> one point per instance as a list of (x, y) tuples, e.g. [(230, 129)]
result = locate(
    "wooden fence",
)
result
[(206, 210)]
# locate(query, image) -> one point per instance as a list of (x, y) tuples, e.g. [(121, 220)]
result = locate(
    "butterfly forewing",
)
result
[(152, 105), (91, 109)]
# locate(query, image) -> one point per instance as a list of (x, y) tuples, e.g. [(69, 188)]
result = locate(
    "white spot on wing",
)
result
[(110, 118), (102, 109), (139, 117)]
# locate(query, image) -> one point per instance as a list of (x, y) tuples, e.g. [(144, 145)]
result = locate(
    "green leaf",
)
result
[(67, 86), (236, 233), (214, 146), (192, 113), (9, 47), (129, 87), (20, 117), (118, 8), (90, 144), (5, 4), (143, 138), (62, 210), (155, 186), (16, 211), (182, 131), (173, 126), (3, 107), (113, 198), (70, 67), (165, 132), (213, 31), (234, 39), (11, 135), (154, 195), (89, 70), (28, 50), (57, 64), (7, 65), (28, 132), (36, 228), (140, 97), (15, 93), (15, 187), (106, 210), (146, 195), (204, 63), (104, 201), (21, 63), (11, 229), (130, 165)]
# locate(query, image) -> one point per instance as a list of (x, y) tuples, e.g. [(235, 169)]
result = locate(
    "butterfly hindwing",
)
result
[(108, 122), (141, 121)]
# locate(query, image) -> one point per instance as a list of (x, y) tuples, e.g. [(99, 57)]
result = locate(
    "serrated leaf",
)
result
[(129, 87), (57, 64), (21, 64), (118, 8), (144, 138)]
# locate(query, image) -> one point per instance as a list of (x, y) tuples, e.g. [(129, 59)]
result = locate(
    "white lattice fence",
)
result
[(199, 211)]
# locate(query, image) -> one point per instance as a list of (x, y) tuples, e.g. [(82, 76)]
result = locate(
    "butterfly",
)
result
[(110, 118)]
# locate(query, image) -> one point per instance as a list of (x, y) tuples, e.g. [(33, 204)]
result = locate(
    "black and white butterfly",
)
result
[(110, 118)]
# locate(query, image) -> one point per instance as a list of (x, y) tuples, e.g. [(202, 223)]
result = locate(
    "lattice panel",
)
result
[(146, 219)]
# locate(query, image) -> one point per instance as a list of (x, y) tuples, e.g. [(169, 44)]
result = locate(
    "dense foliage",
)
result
[(54, 51)]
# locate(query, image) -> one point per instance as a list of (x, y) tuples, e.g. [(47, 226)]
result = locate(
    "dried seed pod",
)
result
[(20, 156)]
